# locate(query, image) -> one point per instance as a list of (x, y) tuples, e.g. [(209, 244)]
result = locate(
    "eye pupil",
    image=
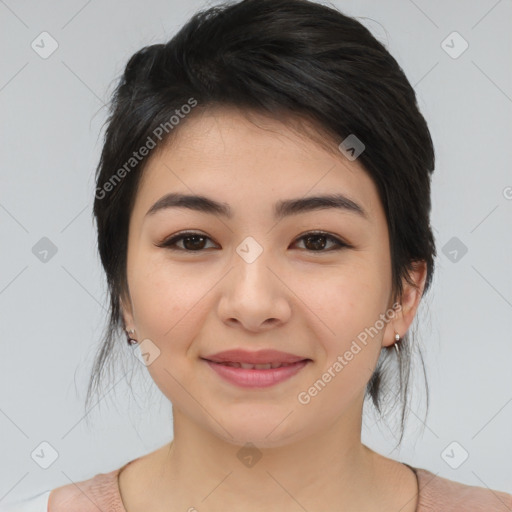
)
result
[(194, 245), (316, 246)]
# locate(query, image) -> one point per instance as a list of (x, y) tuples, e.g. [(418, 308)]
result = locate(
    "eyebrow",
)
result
[(282, 209)]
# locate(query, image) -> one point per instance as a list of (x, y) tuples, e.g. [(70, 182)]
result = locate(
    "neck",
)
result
[(329, 469)]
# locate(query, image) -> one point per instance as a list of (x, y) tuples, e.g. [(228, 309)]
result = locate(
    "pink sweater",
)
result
[(436, 494)]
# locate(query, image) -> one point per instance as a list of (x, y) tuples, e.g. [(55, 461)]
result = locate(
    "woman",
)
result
[(263, 203)]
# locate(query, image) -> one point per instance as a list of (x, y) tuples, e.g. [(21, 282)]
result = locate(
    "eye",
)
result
[(315, 241), (193, 242)]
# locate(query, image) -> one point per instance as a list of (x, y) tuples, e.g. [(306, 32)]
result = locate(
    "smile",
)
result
[(256, 375), (248, 366)]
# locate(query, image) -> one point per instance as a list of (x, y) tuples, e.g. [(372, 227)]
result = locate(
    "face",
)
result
[(254, 280)]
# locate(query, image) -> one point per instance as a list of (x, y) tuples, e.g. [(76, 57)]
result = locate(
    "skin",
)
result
[(291, 298)]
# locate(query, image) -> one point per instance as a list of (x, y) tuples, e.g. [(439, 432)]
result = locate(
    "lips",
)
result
[(262, 359), (248, 366), (255, 378)]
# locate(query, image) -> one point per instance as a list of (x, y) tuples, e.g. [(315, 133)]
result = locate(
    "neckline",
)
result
[(117, 473)]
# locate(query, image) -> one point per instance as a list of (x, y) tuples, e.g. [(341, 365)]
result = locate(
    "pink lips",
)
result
[(258, 357), (227, 365), (249, 378)]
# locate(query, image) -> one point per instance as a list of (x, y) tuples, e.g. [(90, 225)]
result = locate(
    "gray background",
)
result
[(52, 312)]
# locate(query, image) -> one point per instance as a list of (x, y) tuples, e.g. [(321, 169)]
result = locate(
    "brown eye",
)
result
[(317, 241), (192, 242)]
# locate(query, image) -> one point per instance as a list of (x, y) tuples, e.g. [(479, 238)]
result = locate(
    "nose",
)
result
[(254, 295)]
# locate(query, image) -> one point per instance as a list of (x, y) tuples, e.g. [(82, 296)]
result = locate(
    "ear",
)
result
[(411, 298)]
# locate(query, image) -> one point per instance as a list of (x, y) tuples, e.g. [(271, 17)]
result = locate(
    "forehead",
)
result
[(250, 159)]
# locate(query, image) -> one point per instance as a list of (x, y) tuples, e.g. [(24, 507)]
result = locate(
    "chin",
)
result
[(266, 432)]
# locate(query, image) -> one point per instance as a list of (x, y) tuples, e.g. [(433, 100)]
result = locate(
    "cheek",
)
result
[(167, 302), (168, 307), (349, 309), (349, 298), (349, 344)]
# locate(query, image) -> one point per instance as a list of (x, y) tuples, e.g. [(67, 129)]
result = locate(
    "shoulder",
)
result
[(96, 493), (442, 494), (101, 492)]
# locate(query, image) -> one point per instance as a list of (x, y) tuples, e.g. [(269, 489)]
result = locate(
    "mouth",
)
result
[(263, 366), (261, 375)]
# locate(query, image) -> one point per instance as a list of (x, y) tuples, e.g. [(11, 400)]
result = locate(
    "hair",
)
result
[(290, 60)]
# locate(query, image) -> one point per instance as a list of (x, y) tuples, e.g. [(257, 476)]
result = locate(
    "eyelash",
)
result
[(339, 244)]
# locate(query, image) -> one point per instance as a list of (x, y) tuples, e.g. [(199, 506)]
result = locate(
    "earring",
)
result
[(397, 339), (129, 339)]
